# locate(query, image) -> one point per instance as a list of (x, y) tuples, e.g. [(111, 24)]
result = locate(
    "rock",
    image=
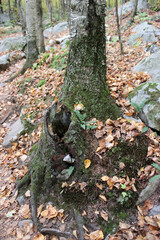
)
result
[(60, 27), (155, 210), (20, 200), (64, 175), (62, 39), (148, 191), (68, 159), (4, 18), (12, 43), (146, 99), (14, 132), (150, 65), (154, 48), (128, 6), (4, 62), (145, 31)]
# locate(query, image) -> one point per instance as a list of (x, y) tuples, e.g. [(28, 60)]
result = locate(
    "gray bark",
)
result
[(1, 8), (49, 9), (22, 16), (118, 28), (32, 51), (39, 28), (85, 79)]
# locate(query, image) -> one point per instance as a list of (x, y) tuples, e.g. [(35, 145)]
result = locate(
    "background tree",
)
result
[(118, 27), (1, 7), (49, 9), (22, 16), (39, 27)]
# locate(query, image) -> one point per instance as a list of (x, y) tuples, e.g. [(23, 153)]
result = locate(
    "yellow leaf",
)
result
[(87, 163), (39, 236), (96, 235), (39, 210), (79, 106), (104, 178), (103, 198), (100, 186)]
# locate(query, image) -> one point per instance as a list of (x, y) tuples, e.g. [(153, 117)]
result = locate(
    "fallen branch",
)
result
[(56, 232), (80, 223), (7, 116)]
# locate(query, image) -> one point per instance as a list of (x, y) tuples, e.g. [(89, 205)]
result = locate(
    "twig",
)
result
[(56, 232), (7, 116)]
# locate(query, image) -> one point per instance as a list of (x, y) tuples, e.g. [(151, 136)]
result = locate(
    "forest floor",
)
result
[(32, 94)]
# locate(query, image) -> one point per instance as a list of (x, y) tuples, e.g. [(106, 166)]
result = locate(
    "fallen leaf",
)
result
[(96, 235), (104, 215), (39, 236), (87, 163), (103, 198)]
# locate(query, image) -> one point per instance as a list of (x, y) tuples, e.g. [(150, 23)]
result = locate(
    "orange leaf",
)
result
[(87, 163)]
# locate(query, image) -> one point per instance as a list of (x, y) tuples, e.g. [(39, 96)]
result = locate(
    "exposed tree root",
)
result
[(7, 116), (56, 232), (80, 223)]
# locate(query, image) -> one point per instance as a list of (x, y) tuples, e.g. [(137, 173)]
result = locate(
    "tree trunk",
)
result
[(9, 10), (85, 79), (22, 16), (32, 50), (1, 8), (134, 12), (39, 28), (49, 9), (118, 28), (15, 3)]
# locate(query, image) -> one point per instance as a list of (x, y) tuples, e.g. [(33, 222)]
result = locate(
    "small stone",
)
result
[(155, 210), (20, 200), (64, 175), (68, 159)]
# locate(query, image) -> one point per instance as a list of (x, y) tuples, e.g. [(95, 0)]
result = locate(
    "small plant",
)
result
[(139, 107), (156, 176), (125, 196), (81, 117), (41, 83), (59, 61)]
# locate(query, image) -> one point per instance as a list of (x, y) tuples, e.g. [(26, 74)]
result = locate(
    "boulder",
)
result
[(146, 100), (12, 43), (4, 62), (60, 27), (13, 134), (145, 31), (150, 65), (128, 6)]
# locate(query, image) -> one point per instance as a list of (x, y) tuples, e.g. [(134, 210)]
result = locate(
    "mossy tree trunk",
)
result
[(85, 82), (22, 17), (85, 79), (39, 27)]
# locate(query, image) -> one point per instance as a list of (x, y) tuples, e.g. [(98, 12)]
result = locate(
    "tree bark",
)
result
[(85, 79), (9, 10), (22, 16), (1, 8), (32, 50), (39, 27), (134, 12), (118, 28), (49, 9)]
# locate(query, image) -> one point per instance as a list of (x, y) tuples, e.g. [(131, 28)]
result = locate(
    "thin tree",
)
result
[(134, 12), (49, 9), (33, 38), (22, 16), (39, 27), (1, 7), (118, 28)]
